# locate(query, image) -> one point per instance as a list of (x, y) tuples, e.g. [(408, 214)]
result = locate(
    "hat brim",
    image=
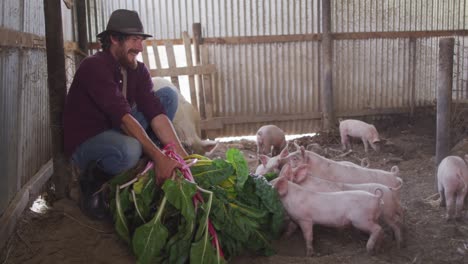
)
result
[(100, 35)]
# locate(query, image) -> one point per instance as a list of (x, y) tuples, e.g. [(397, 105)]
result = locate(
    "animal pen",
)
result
[(296, 64)]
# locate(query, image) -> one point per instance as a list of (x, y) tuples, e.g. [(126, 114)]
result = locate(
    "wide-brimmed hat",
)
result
[(126, 22)]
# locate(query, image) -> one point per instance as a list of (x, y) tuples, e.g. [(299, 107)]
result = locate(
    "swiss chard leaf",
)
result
[(179, 244), (213, 174), (270, 201), (240, 164), (149, 239), (180, 193), (122, 200), (202, 251)]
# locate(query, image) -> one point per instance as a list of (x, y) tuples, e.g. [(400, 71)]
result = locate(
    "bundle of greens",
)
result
[(210, 212)]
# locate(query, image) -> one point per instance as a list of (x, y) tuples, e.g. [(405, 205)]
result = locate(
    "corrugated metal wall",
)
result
[(25, 142), (284, 78), (377, 73)]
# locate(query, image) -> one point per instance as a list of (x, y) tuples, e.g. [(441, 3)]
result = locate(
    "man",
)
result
[(111, 105)]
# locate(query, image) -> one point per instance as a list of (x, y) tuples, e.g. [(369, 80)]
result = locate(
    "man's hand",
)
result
[(164, 168)]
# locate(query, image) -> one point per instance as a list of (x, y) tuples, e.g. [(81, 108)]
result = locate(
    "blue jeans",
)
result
[(113, 150)]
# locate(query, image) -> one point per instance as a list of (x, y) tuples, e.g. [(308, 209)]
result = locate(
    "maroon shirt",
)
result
[(95, 102)]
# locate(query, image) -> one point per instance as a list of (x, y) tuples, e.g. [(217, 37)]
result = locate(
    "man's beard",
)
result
[(125, 61)]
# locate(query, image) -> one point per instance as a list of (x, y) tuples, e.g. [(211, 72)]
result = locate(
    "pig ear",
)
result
[(296, 145), (282, 186), (284, 170), (303, 151), (301, 173), (284, 153), (264, 159)]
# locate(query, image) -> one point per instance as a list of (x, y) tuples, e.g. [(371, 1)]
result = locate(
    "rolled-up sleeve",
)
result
[(104, 90)]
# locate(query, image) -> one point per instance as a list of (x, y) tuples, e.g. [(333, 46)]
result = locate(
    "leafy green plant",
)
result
[(208, 213)]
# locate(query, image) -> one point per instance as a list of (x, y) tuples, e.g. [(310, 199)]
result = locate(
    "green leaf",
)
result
[(179, 244), (180, 193), (240, 164), (140, 183), (203, 252), (149, 239), (270, 199), (207, 176), (270, 176), (122, 200)]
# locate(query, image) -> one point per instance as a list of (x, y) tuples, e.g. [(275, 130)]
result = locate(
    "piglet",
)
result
[(452, 182), (392, 212), (356, 128), (336, 209), (270, 140), (273, 164), (336, 171)]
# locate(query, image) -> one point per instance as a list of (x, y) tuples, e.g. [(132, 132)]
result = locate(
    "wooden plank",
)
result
[(309, 37), (18, 39), (161, 42), (402, 34), (328, 119), (207, 84), (57, 88), (172, 61), (262, 39), (71, 46), (194, 70), (196, 28), (219, 122), (460, 101), (145, 56), (157, 59), (369, 112), (197, 38), (444, 97), (413, 63), (21, 200), (191, 78)]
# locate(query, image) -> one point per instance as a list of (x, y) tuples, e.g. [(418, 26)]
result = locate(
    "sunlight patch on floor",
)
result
[(254, 138)]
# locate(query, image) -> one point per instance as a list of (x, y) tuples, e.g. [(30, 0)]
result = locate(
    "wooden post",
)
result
[(81, 21), (171, 60), (191, 78), (327, 51), (413, 62), (57, 91), (444, 97), (197, 40)]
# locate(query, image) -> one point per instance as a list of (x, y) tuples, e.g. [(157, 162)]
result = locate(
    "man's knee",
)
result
[(128, 152)]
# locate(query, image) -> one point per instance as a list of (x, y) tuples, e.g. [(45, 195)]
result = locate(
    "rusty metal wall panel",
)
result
[(371, 74), (398, 15), (167, 19), (33, 21), (25, 143), (9, 83), (34, 144), (266, 79), (389, 62)]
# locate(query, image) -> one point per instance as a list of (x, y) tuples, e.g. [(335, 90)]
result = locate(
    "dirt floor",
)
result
[(64, 235)]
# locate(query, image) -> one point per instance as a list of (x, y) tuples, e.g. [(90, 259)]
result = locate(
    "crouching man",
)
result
[(111, 114)]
